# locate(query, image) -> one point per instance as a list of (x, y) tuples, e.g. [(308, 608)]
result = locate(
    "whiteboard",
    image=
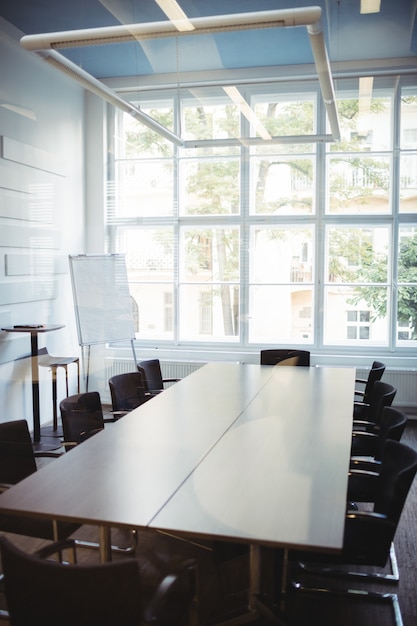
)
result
[(102, 301)]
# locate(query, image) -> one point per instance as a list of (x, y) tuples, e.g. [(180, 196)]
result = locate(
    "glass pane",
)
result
[(358, 185), (281, 255), (209, 254), (408, 183), (153, 310), (356, 316), (407, 279), (210, 117), (209, 312), (149, 253), (409, 118), (282, 185), (407, 314), (141, 188), (210, 186), (281, 314), (135, 140), (365, 121), (357, 255), (284, 117)]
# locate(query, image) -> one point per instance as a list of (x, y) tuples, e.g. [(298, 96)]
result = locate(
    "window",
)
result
[(251, 243)]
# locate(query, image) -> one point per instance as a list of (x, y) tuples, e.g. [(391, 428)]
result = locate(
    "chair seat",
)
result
[(48, 360)]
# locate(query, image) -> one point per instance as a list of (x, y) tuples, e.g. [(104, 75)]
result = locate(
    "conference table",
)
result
[(233, 452)]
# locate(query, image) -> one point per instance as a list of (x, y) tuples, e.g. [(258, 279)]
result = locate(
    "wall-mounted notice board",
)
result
[(102, 301)]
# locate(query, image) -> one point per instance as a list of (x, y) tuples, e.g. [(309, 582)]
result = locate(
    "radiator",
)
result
[(170, 369), (405, 382)]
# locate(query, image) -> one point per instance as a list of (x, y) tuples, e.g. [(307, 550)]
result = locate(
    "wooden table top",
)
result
[(232, 451)]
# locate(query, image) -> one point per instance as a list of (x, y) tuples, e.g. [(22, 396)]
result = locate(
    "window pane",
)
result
[(154, 317), (281, 255), (209, 114), (365, 121), (135, 140), (407, 280), (209, 312), (142, 188), (408, 183), (282, 185), (209, 254), (358, 185), (281, 314), (409, 118), (355, 315), (210, 186), (284, 117), (150, 268), (357, 255)]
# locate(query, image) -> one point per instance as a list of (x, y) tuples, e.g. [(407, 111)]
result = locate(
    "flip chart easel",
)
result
[(102, 301)]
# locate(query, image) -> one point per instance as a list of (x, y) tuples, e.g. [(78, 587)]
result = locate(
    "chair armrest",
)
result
[(5, 487), (171, 380), (47, 455), (173, 598), (361, 381)]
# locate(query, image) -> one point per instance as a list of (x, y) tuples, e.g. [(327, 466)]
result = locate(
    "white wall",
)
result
[(42, 215)]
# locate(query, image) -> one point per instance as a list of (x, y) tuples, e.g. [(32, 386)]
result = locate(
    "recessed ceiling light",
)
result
[(370, 6)]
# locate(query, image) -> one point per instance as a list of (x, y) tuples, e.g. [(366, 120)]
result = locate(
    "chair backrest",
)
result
[(391, 426), (375, 374), (285, 357), (153, 374), (45, 592), (382, 395), (398, 469), (17, 460), (127, 391), (82, 416), (40, 591)]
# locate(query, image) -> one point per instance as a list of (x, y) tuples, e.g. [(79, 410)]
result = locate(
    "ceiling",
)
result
[(350, 36)]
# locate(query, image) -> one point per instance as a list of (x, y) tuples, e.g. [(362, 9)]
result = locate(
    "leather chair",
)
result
[(43, 592), (18, 461), (368, 535), (285, 357), (128, 391), (368, 446), (382, 395), (364, 395), (153, 375), (82, 417)]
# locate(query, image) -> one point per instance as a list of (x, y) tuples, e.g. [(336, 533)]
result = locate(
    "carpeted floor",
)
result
[(223, 581)]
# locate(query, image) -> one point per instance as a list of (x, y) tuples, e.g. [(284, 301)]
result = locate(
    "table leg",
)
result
[(35, 388), (105, 544)]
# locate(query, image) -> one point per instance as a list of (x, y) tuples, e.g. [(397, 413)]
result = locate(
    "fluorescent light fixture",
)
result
[(173, 11), (370, 6), (308, 16), (236, 97)]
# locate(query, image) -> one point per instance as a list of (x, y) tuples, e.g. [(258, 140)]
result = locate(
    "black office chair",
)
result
[(18, 461), (153, 375), (369, 535), (368, 446), (43, 592), (285, 357), (364, 395), (128, 391), (82, 417), (382, 395)]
